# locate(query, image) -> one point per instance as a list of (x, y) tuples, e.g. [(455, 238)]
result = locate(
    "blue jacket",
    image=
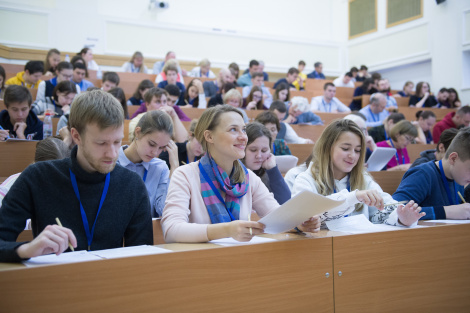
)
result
[(34, 128), (424, 185)]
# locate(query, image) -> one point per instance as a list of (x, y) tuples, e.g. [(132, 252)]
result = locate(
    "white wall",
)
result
[(281, 33)]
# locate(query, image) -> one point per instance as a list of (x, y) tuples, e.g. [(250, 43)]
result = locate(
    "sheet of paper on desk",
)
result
[(128, 252), (296, 211), (63, 258), (449, 221), (232, 242), (358, 224)]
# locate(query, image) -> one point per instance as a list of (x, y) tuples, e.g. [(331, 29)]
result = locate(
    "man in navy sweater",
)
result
[(101, 205), (435, 185)]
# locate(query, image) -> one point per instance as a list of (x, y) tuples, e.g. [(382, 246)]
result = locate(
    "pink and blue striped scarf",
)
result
[(213, 180)]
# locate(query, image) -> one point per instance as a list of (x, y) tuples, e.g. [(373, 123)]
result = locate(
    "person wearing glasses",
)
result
[(401, 135)]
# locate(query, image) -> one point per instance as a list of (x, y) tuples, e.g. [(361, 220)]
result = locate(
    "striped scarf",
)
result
[(213, 180)]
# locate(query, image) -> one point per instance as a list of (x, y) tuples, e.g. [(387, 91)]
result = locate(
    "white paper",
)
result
[(128, 252), (296, 211), (63, 258), (379, 158), (449, 221), (358, 224), (228, 242), (286, 162)]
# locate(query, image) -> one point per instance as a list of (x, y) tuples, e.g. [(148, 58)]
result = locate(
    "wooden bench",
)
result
[(312, 84), (312, 132), (388, 180), (302, 151), (15, 156), (410, 112), (415, 149), (327, 118)]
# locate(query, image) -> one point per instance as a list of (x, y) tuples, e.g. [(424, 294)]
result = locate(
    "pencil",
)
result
[(395, 203), (60, 224), (249, 220), (461, 198)]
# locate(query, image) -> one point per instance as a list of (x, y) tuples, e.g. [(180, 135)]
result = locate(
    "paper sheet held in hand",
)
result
[(296, 211)]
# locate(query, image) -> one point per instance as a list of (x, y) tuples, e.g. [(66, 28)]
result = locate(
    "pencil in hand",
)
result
[(249, 220), (461, 198), (60, 224)]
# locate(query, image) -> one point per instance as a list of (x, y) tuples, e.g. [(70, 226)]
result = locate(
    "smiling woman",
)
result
[(214, 197)]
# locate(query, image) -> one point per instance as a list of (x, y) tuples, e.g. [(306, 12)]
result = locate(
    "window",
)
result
[(402, 11), (362, 17)]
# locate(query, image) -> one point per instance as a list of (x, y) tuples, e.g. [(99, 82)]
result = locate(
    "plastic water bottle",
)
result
[(99, 74), (47, 125), (67, 58)]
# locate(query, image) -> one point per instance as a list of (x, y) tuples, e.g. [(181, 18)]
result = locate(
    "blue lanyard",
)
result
[(374, 117), (324, 105), (274, 149), (133, 68), (216, 191), (396, 154), (446, 185), (200, 73), (348, 186), (145, 174), (89, 234), (385, 133)]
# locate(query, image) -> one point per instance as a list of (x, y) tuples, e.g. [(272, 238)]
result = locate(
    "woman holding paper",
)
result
[(214, 197), (262, 162), (337, 171)]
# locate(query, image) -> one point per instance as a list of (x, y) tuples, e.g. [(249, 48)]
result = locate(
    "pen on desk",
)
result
[(395, 203), (4, 129), (60, 224), (249, 220), (461, 198)]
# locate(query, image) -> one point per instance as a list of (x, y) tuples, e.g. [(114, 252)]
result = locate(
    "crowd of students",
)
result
[(205, 183)]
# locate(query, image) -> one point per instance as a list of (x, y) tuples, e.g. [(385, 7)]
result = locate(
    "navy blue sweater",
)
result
[(424, 185), (34, 126), (44, 191)]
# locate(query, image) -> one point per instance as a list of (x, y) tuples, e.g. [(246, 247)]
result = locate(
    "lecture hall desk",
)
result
[(411, 270)]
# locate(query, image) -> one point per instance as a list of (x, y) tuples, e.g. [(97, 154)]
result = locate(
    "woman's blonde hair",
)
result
[(403, 127), (138, 54), (233, 93), (322, 168), (154, 121), (209, 120)]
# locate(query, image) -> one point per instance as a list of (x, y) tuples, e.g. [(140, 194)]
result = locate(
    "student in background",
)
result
[(2, 81), (262, 162), (138, 96), (454, 101), (236, 69), (437, 154), (435, 185), (188, 151), (328, 103), (87, 55), (362, 74), (96, 123), (202, 70), (382, 132), (18, 120), (458, 119), (423, 98), (375, 112), (257, 81), (30, 77), (219, 97), (364, 89), (407, 89), (110, 80), (282, 93), (60, 100), (174, 95), (156, 99), (299, 83), (136, 64), (51, 62), (246, 79), (194, 95), (192, 216), (337, 172), (254, 101), (424, 124), (79, 74), (211, 88), (286, 131), (291, 77), (119, 94), (401, 135), (271, 122), (441, 98), (48, 149), (318, 72), (171, 74), (234, 99), (152, 135), (174, 65), (64, 73), (169, 57)]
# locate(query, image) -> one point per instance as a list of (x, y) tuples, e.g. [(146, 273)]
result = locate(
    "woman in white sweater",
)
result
[(214, 197), (337, 171)]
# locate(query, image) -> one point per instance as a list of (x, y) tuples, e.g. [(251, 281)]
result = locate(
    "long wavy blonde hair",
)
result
[(322, 168)]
